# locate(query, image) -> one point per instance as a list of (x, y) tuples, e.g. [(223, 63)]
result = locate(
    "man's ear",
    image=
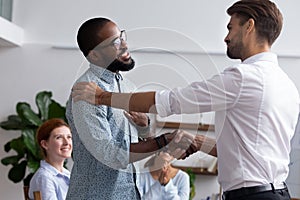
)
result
[(94, 56), (250, 25)]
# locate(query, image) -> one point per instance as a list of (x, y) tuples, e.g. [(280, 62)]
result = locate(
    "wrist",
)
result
[(161, 141), (199, 140), (165, 183), (158, 142), (99, 98)]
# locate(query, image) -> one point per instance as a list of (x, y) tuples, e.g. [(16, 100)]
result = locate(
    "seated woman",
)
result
[(163, 182), (52, 179)]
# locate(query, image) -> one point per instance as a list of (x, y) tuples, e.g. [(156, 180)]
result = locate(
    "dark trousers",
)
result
[(282, 194)]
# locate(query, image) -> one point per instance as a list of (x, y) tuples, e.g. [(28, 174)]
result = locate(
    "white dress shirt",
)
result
[(256, 107)]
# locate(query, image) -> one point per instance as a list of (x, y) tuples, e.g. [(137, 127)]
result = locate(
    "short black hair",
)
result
[(87, 38)]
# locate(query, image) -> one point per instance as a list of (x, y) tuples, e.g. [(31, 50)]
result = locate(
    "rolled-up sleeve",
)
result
[(162, 103), (217, 93)]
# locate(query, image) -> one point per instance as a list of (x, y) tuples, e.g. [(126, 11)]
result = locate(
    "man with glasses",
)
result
[(106, 143), (255, 120)]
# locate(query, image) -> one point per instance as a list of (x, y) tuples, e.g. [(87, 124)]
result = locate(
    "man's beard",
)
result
[(118, 65)]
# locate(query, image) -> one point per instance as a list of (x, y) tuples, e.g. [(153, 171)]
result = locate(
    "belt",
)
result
[(244, 191)]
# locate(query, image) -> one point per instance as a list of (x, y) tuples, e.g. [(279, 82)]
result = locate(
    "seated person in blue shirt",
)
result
[(163, 182), (52, 179)]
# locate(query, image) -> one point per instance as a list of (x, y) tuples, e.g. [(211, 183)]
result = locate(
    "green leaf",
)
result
[(26, 114), (17, 172), (57, 111), (43, 100), (17, 144), (33, 165), (7, 147), (30, 142), (10, 160), (14, 122), (25, 145)]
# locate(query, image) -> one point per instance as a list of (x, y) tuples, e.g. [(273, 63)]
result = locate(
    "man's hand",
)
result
[(163, 159), (140, 119), (162, 162), (87, 91), (181, 144), (165, 176)]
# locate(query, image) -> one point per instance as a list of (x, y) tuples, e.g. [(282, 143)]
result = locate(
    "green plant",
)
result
[(27, 158), (192, 183)]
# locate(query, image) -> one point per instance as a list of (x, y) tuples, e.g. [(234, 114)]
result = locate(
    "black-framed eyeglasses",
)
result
[(117, 42)]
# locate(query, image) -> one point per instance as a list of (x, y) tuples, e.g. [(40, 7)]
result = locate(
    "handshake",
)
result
[(180, 144)]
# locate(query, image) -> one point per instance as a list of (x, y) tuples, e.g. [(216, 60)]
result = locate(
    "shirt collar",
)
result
[(53, 170), (103, 73), (264, 56)]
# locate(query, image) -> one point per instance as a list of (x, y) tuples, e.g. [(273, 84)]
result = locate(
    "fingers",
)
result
[(180, 134), (134, 113), (164, 176), (138, 118), (161, 178), (128, 115), (181, 144), (138, 115), (86, 91), (166, 156), (84, 86), (177, 153)]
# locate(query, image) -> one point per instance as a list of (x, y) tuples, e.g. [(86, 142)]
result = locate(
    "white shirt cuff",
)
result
[(162, 103)]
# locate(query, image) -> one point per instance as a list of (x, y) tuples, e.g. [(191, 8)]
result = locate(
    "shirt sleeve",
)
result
[(179, 189), (46, 186), (143, 132), (171, 191), (153, 192), (174, 190), (217, 93), (94, 130)]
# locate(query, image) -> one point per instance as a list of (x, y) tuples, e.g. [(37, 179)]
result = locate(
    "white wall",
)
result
[(56, 21), (24, 72), (201, 27)]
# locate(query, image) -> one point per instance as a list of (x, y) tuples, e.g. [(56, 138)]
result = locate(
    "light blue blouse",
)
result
[(52, 183), (178, 188)]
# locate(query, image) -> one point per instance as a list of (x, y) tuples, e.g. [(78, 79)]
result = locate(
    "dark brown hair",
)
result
[(44, 131), (268, 18)]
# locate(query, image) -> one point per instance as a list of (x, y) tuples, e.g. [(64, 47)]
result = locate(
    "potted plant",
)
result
[(27, 158), (192, 183)]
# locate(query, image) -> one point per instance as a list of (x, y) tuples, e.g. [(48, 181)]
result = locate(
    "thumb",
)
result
[(178, 137)]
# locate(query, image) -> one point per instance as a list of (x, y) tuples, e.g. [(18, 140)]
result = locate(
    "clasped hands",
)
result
[(181, 144), (162, 168)]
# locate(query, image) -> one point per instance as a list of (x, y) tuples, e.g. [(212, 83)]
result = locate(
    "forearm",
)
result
[(139, 102), (143, 149)]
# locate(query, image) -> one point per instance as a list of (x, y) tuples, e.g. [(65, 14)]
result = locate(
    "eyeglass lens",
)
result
[(118, 41)]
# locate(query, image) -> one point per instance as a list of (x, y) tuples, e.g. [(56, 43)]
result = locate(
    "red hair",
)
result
[(44, 131)]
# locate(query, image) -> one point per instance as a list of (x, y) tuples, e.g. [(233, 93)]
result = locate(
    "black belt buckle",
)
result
[(244, 191)]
